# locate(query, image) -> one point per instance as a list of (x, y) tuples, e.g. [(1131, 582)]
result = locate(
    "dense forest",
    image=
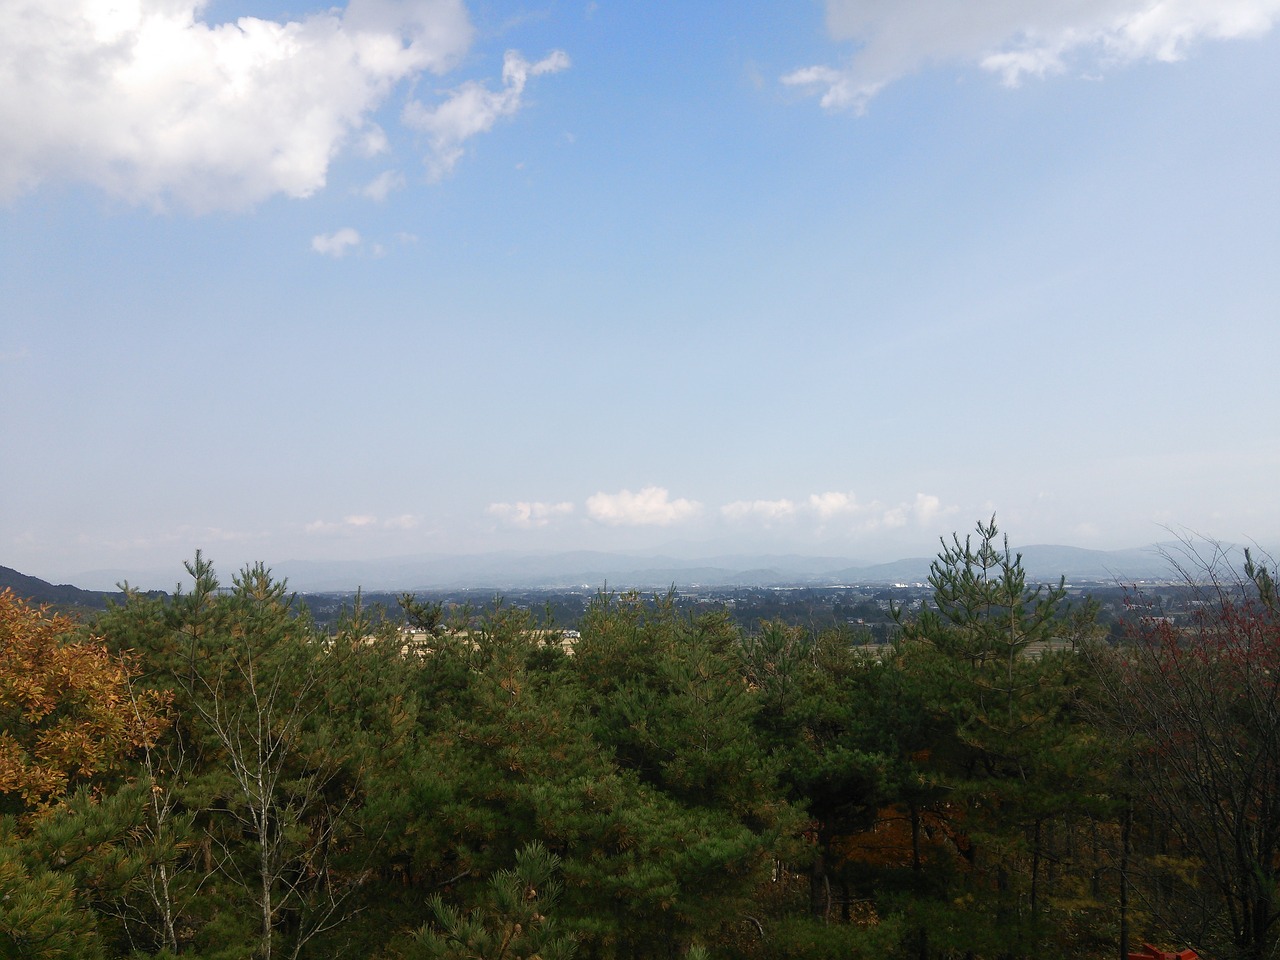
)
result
[(212, 775)]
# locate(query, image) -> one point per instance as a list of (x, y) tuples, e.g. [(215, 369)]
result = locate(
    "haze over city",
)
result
[(285, 281)]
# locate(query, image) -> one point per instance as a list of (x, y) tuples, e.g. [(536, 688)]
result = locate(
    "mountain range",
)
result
[(592, 570)]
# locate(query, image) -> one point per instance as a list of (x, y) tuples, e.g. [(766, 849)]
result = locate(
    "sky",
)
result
[(283, 281)]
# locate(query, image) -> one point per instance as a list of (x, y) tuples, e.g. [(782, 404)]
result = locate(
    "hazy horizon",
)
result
[(300, 282), (682, 564)]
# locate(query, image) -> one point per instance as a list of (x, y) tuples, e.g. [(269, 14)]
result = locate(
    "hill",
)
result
[(59, 595)]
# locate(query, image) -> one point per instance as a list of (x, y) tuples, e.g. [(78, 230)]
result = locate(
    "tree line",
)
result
[(209, 775)]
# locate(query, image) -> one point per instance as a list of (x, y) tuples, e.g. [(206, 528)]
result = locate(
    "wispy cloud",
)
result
[(651, 506), (406, 521), (764, 510), (358, 522), (14, 355), (381, 186), (1015, 39), (337, 244), (327, 526), (473, 108), (527, 514)]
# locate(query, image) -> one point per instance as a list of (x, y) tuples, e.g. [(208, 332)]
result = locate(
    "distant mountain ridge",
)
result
[(591, 570), (1048, 562)]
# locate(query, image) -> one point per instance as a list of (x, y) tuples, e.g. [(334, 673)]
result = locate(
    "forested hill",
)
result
[(63, 594)]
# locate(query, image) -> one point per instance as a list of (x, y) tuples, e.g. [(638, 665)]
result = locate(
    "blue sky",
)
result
[(282, 281)]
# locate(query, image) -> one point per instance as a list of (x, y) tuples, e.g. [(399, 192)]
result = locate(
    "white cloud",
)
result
[(372, 141), (766, 510), (652, 506), (362, 521), (323, 526), (380, 187), (473, 108), (337, 244), (833, 504), (152, 104), (929, 508), (924, 511), (527, 515), (1015, 38)]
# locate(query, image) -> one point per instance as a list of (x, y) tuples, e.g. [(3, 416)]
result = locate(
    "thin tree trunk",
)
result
[(1126, 830), (1035, 868), (915, 838)]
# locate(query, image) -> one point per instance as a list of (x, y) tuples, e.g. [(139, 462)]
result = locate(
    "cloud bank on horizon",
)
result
[(653, 506), (153, 105), (1015, 39)]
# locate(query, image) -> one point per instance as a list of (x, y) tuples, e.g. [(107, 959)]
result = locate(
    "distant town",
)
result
[(864, 611)]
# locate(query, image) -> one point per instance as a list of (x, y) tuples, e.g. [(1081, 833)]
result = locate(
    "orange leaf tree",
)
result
[(67, 716), (69, 722)]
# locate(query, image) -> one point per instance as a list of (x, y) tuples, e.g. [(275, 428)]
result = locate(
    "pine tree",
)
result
[(513, 922), (264, 784), (993, 659)]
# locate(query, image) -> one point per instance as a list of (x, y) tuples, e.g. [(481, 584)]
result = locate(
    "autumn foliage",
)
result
[(67, 713), (1205, 730)]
